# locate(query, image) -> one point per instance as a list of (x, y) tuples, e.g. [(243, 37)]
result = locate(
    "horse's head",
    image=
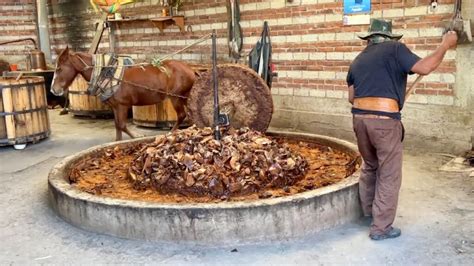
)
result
[(64, 74)]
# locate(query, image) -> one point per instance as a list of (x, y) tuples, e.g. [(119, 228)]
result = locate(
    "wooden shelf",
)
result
[(164, 22), (127, 20), (161, 22)]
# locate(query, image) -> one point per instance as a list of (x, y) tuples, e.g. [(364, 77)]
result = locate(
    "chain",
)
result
[(167, 93)]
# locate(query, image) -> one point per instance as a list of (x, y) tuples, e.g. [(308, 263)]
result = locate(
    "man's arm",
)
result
[(351, 94), (432, 61)]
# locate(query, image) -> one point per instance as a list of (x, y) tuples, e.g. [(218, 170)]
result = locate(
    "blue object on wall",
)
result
[(356, 6)]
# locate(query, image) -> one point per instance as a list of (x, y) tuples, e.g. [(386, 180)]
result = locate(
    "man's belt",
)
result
[(377, 104), (371, 116)]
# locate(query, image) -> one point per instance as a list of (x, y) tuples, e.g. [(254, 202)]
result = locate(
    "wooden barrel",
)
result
[(83, 104), (23, 110), (160, 115)]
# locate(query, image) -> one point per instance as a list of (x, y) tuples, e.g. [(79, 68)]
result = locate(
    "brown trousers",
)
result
[(380, 144)]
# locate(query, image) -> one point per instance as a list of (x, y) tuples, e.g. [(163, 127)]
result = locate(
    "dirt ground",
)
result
[(436, 215)]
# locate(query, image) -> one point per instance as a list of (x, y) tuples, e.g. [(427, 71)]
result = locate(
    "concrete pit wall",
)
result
[(217, 224)]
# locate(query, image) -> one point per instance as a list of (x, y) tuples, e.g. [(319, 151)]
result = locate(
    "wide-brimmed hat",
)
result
[(380, 27)]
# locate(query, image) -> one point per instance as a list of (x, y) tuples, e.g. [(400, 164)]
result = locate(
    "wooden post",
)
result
[(98, 34), (111, 30)]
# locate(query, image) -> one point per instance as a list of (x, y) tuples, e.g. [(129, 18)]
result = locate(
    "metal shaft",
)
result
[(21, 40), (217, 133)]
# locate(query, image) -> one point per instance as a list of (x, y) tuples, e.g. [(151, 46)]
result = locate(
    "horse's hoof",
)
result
[(64, 112)]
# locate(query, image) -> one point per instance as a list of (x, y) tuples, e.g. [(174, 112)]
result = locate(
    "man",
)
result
[(377, 81)]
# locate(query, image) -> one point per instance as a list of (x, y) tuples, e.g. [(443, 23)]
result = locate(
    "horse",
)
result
[(140, 85)]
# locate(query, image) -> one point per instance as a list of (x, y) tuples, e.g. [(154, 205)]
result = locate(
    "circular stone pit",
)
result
[(220, 223)]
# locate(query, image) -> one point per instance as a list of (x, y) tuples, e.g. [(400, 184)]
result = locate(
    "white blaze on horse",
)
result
[(140, 85)]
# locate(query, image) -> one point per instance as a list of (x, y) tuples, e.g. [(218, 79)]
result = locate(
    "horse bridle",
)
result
[(86, 66)]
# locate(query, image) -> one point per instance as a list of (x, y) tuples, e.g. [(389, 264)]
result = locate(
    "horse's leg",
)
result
[(178, 105), (122, 112), (118, 131), (65, 109)]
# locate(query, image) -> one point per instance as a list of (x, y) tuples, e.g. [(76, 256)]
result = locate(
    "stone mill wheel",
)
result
[(243, 95)]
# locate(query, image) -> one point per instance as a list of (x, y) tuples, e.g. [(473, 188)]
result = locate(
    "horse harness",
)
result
[(105, 81)]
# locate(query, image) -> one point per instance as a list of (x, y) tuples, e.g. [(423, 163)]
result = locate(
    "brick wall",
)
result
[(312, 51), (17, 20)]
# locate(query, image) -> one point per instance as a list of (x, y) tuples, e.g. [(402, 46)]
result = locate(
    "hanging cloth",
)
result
[(260, 57), (235, 38)]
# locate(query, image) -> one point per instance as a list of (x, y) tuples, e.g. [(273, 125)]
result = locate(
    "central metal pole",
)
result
[(217, 132)]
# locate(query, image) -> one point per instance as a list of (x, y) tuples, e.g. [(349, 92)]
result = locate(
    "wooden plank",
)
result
[(111, 30), (36, 119), (98, 34), (16, 107), (170, 113), (161, 112), (19, 105), (3, 129), (42, 119), (8, 107), (31, 122), (44, 113), (24, 95)]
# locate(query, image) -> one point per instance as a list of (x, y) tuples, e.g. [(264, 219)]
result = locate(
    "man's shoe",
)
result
[(393, 233)]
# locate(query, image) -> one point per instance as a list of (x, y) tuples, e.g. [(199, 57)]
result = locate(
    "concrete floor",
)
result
[(436, 214)]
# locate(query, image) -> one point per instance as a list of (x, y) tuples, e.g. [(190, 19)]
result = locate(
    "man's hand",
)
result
[(432, 61), (450, 39)]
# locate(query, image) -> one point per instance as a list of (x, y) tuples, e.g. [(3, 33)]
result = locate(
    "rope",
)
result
[(156, 61), (200, 40)]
